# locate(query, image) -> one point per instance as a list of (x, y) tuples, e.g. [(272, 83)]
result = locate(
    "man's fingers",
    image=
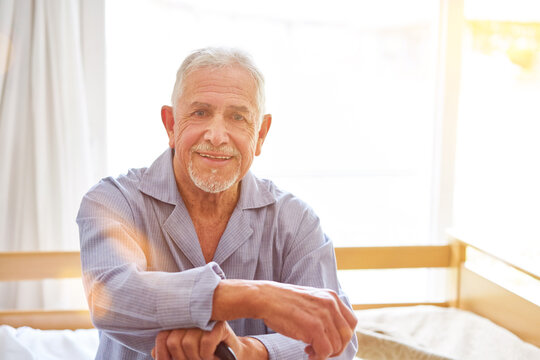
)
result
[(191, 343), (208, 346), (321, 341), (174, 344), (343, 331), (210, 340), (335, 327), (336, 338), (314, 354), (348, 314), (331, 320), (160, 352), (309, 350), (345, 322)]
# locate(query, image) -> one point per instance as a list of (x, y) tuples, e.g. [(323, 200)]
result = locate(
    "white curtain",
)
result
[(52, 125)]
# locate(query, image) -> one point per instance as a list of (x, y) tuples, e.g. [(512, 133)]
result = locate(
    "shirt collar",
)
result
[(158, 181), (254, 193)]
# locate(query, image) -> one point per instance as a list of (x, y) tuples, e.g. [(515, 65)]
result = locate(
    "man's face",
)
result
[(215, 130)]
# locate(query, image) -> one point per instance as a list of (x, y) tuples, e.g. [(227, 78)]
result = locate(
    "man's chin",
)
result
[(212, 184)]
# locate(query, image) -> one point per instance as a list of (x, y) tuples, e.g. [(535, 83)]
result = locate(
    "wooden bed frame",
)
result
[(466, 289)]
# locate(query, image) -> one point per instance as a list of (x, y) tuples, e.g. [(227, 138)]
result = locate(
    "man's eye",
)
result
[(199, 113), (238, 117)]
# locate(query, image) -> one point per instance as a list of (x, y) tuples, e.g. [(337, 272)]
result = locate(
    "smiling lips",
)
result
[(215, 153), (218, 157)]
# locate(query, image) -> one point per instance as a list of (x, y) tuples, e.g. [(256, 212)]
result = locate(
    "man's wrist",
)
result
[(236, 299), (253, 348)]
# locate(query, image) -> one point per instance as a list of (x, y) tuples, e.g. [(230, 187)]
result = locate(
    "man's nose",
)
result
[(216, 133)]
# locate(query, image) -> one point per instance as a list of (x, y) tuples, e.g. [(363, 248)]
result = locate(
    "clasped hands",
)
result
[(315, 316), (194, 343)]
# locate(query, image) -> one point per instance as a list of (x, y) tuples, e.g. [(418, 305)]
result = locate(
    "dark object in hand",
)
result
[(224, 352)]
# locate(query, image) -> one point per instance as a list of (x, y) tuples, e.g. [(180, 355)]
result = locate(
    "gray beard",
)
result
[(214, 183)]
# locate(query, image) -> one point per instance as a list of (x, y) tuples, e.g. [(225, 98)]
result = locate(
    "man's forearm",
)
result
[(315, 316), (237, 299)]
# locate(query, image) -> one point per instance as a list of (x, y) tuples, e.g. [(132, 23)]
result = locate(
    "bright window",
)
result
[(350, 86), (497, 192)]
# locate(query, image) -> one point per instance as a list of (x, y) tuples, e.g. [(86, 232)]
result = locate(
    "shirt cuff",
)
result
[(282, 347), (190, 302), (202, 296)]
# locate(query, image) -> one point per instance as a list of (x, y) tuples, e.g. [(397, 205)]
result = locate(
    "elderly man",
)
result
[(195, 250)]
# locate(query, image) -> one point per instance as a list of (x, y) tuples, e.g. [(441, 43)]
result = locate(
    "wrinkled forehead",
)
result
[(231, 80)]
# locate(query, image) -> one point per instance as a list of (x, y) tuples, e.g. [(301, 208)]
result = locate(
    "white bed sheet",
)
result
[(436, 333), (25, 343)]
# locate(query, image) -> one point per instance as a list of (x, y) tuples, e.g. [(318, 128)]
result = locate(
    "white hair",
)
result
[(217, 57)]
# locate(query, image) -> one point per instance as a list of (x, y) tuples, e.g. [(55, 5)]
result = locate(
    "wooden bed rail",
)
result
[(66, 264), (393, 257), (39, 265), (47, 319), (467, 290), (15, 266), (59, 265)]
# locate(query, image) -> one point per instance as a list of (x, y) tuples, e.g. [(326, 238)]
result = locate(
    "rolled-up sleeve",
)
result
[(128, 302)]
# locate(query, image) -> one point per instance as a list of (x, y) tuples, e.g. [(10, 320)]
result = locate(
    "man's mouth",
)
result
[(217, 157)]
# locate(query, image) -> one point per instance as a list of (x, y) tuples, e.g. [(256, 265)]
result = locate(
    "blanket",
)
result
[(435, 333)]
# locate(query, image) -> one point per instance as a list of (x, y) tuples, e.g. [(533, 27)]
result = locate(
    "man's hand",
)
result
[(315, 316), (194, 343)]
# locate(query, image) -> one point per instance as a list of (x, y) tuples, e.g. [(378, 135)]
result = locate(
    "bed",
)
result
[(478, 320)]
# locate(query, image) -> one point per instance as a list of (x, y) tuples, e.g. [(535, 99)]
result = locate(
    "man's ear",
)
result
[(263, 131), (167, 117)]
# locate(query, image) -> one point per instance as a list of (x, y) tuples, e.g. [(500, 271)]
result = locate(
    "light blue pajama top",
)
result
[(144, 271)]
